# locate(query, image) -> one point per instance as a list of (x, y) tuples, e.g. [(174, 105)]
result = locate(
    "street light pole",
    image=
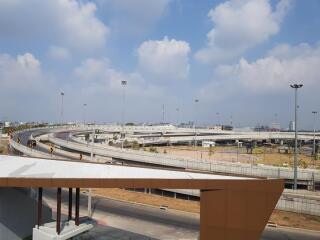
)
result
[(62, 95), (124, 84), (314, 133), (296, 87), (84, 113), (195, 120), (177, 109), (218, 118), (89, 190), (163, 112)]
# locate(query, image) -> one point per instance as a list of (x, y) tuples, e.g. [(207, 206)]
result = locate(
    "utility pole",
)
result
[(314, 133), (296, 87)]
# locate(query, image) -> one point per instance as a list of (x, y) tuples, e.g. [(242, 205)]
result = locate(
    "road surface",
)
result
[(122, 220)]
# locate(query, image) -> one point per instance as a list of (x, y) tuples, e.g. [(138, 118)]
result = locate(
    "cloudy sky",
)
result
[(237, 57)]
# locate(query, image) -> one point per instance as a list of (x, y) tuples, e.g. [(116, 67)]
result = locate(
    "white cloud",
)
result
[(164, 60), (273, 74), (68, 23), (240, 25), (25, 91), (99, 84), (28, 61), (98, 76), (58, 53), (20, 74)]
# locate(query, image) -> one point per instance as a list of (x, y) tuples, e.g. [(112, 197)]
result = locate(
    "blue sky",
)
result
[(237, 57)]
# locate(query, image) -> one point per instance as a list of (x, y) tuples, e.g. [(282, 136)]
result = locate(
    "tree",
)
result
[(115, 138), (135, 145), (126, 143), (211, 151)]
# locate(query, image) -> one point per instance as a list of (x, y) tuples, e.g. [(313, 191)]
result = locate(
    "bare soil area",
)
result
[(260, 155), (3, 147)]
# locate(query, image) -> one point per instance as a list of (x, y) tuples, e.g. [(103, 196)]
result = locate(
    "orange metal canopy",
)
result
[(231, 207)]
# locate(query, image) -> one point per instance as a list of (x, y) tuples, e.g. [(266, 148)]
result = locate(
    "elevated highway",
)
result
[(68, 141), (69, 146)]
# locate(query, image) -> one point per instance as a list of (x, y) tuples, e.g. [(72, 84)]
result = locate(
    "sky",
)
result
[(237, 58)]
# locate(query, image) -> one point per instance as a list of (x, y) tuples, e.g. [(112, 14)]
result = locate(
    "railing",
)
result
[(31, 152), (293, 201), (188, 163)]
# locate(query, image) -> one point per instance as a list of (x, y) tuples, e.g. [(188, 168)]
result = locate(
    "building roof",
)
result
[(34, 172), (25, 167)]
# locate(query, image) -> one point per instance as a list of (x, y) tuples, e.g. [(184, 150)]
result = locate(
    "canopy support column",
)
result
[(70, 205), (58, 221), (77, 206)]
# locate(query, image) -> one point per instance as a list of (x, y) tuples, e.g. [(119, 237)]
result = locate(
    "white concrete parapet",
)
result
[(189, 163)]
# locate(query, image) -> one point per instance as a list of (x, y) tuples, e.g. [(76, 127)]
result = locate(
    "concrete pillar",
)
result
[(39, 215), (89, 202), (19, 213)]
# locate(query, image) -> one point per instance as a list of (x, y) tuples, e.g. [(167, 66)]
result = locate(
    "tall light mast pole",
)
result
[(84, 113), (195, 121), (296, 87), (124, 84), (163, 111), (314, 133), (62, 95), (178, 117)]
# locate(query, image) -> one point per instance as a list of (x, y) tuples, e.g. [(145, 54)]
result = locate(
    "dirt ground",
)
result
[(282, 218), (3, 146), (261, 155)]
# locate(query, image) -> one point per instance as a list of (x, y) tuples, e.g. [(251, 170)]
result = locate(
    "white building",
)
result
[(292, 126), (208, 144)]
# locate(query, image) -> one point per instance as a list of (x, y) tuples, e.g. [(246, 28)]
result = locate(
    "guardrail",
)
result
[(182, 162), (71, 154), (298, 201), (32, 152)]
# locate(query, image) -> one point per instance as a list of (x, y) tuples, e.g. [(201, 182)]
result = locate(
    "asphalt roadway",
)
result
[(122, 220)]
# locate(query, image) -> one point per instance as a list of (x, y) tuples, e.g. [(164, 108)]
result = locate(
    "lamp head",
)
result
[(296, 85), (123, 82)]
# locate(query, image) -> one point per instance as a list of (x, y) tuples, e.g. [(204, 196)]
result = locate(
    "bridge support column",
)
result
[(238, 211)]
